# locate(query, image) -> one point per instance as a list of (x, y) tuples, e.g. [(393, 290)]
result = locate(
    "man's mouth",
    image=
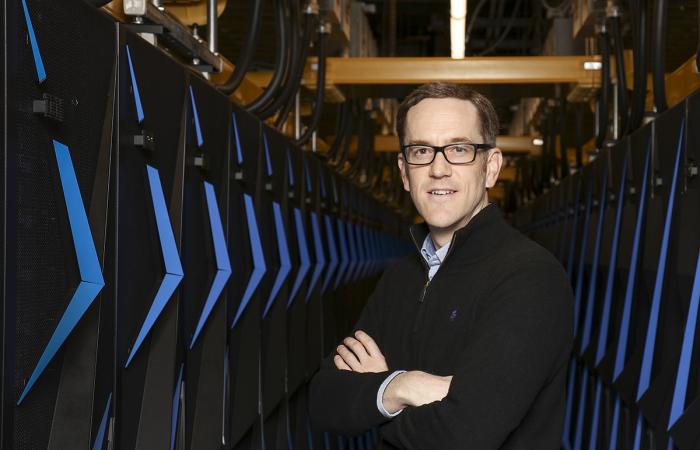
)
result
[(441, 191)]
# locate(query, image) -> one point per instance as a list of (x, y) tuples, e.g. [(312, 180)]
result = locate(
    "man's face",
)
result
[(447, 196)]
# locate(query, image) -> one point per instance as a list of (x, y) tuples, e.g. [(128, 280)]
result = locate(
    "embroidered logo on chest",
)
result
[(453, 315)]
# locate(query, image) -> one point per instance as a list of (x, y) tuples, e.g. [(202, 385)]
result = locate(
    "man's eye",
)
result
[(459, 149), (422, 150)]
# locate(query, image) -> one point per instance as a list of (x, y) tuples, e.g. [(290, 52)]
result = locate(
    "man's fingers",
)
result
[(340, 363), (368, 343), (350, 358), (357, 348)]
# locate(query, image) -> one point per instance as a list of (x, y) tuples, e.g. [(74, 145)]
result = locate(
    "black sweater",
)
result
[(497, 315)]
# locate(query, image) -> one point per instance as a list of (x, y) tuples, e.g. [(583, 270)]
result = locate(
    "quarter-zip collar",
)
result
[(479, 232)]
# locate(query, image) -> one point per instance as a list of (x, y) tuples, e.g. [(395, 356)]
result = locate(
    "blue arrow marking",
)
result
[(173, 268), (38, 62), (343, 254), (588, 320), (353, 253), (259, 266), (632, 274), (593, 441), (581, 410), (333, 254), (198, 129), (581, 263), (99, 439), (679, 392), (320, 258), (607, 301), (268, 163), (239, 150), (134, 86), (650, 342), (91, 281), (223, 265), (285, 262), (308, 175), (176, 408), (303, 255), (290, 168)]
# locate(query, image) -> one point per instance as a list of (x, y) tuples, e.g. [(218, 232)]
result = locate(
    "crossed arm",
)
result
[(413, 388)]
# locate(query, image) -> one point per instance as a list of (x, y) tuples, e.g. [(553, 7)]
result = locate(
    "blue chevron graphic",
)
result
[(38, 62), (615, 423), (581, 263), (593, 439), (176, 408), (572, 244), (91, 280), (173, 268), (285, 261), (268, 162), (568, 413), (305, 263), (320, 257), (343, 254), (239, 150), (223, 265), (99, 439), (351, 276), (307, 174), (197, 127), (607, 301), (134, 86), (588, 320), (650, 342), (333, 259), (581, 411), (290, 168), (259, 266), (632, 274), (681, 387)]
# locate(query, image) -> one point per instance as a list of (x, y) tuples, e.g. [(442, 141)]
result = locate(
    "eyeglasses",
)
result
[(459, 153)]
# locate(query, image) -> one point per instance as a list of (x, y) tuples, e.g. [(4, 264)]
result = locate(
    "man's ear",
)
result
[(493, 166), (403, 168)]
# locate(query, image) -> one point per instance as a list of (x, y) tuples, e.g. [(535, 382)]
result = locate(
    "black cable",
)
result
[(297, 69), (563, 141), (640, 39), (280, 60), (578, 138), (341, 129), (503, 35), (247, 51), (622, 103), (659, 42), (604, 100), (320, 88)]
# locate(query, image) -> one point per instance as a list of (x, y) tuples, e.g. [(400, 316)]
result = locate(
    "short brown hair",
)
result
[(487, 113)]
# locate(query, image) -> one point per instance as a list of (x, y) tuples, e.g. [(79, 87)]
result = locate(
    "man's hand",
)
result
[(415, 388), (360, 354)]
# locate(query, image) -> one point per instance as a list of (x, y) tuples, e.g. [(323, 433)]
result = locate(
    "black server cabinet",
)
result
[(206, 262), (59, 216), (153, 129), (249, 267)]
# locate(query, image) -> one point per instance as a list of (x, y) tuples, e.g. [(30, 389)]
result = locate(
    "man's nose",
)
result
[(440, 167)]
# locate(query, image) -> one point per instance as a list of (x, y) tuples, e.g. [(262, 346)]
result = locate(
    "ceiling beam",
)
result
[(471, 70), (508, 144)]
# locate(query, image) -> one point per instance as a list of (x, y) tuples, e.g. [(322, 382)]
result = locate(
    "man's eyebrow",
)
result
[(449, 141)]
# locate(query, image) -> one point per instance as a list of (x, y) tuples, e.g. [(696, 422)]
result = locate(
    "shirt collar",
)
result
[(431, 255)]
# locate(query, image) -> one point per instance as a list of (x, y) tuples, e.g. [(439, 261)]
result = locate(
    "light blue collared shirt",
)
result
[(434, 258)]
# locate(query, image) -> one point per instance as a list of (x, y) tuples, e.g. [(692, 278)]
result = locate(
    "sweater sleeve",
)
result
[(522, 334), (345, 402)]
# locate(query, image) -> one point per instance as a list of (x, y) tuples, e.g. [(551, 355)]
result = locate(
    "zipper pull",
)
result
[(425, 288)]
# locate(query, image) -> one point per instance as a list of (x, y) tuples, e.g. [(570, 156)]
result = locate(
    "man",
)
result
[(465, 344)]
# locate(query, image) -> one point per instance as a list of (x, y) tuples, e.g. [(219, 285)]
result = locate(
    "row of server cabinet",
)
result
[(174, 270), (627, 230)]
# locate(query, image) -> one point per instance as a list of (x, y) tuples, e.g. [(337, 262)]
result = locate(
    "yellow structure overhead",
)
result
[(472, 70)]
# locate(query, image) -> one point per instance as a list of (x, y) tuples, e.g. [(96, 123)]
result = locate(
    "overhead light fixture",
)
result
[(458, 18), (538, 142)]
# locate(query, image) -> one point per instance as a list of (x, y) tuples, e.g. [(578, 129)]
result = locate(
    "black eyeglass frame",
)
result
[(441, 149)]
